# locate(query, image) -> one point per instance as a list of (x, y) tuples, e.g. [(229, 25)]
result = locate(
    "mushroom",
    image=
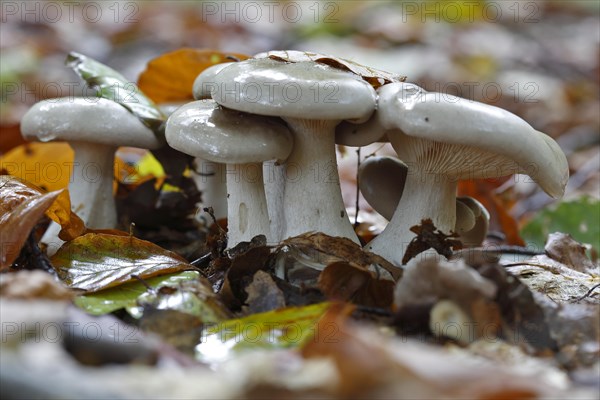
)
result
[(444, 138), (312, 98), (205, 81), (242, 141), (382, 179), (209, 178), (94, 128), (447, 319)]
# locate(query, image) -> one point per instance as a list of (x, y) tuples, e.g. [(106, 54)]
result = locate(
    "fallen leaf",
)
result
[(374, 76), (564, 249), (126, 295), (263, 294), (47, 165), (170, 77), (346, 281), (98, 261), (32, 285), (111, 85), (317, 250), (21, 207), (285, 328), (60, 212), (429, 237)]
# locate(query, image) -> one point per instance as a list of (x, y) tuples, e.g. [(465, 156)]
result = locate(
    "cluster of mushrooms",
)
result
[(287, 111)]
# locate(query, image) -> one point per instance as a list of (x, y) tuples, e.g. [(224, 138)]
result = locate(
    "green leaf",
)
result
[(113, 86), (126, 295), (285, 328), (578, 218), (97, 261)]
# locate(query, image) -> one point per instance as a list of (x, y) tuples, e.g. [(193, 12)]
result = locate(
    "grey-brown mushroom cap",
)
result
[(86, 120), (204, 129), (304, 90), (375, 175), (479, 132)]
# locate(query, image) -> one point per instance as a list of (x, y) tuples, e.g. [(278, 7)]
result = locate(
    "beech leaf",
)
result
[(98, 261), (170, 77), (21, 207)]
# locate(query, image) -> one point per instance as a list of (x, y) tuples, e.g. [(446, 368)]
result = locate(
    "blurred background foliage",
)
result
[(537, 59)]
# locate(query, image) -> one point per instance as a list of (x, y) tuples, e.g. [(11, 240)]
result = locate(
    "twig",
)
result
[(357, 188), (589, 292)]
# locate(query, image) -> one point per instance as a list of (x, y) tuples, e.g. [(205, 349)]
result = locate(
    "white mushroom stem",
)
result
[(312, 198), (90, 190), (210, 180), (246, 200), (428, 195), (91, 186)]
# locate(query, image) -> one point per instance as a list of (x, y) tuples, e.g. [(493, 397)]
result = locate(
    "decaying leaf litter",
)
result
[(310, 315)]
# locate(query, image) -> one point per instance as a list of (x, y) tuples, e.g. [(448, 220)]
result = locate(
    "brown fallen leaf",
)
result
[(346, 281), (263, 294), (320, 250), (429, 237), (566, 250), (60, 212), (33, 285), (98, 261), (21, 207), (374, 76), (170, 77)]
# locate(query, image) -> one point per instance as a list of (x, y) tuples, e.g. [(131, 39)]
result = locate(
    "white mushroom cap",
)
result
[(470, 139), (475, 235), (348, 133), (95, 120), (203, 129), (305, 90), (206, 80)]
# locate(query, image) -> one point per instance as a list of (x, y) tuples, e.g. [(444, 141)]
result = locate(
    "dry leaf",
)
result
[(346, 281), (566, 250), (263, 294), (429, 237), (60, 212), (170, 77), (374, 76)]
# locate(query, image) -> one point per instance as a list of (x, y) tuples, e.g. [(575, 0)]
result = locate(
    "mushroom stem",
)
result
[(312, 198), (426, 195), (247, 202), (91, 185), (210, 180)]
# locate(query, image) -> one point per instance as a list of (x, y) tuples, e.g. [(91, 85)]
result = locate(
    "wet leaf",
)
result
[(285, 328), (47, 165), (428, 237), (170, 77), (21, 207), (194, 297), (113, 86), (126, 295), (60, 212), (98, 261), (374, 76), (579, 218)]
